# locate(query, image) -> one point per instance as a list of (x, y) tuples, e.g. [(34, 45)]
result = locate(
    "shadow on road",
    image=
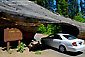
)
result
[(73, 53), (67, 52)]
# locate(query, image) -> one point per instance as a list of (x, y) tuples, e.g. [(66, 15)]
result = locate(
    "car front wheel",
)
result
[(62, 48)]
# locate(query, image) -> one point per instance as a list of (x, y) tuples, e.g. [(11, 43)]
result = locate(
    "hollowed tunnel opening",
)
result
[(28, 36), (69, 29), (66, 28)]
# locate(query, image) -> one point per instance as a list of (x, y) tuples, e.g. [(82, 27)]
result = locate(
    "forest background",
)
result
[(74, 9)]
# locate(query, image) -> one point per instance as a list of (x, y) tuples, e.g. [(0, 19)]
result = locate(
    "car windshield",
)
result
[(69, 37)]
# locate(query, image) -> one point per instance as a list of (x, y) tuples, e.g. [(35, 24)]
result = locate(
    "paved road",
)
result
[(55, 52)]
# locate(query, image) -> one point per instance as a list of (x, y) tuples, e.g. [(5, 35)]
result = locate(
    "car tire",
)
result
[(43, 45), (62, 49)]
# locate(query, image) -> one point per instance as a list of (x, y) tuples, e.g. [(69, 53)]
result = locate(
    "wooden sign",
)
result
[(12, 34)]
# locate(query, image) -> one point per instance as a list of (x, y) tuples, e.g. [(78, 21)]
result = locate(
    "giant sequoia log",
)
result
[(27, 16)]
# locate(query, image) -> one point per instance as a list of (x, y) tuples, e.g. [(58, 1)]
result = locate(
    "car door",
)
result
[(49, 40), (56, 41)]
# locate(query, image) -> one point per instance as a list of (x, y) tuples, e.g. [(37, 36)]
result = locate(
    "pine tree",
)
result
[(49, 4), (62, 8), (41, 2), (80, 17), (82, 5), (73, 8)]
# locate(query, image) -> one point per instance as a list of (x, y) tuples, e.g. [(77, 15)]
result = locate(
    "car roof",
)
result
[(61, 34)]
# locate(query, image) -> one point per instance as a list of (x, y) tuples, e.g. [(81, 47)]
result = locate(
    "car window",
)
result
[(51, 36), (69, 37), (58, 37)]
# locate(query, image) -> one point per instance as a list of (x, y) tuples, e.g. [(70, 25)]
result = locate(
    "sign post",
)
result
[(12, 34), (18, 42), (8, 44)]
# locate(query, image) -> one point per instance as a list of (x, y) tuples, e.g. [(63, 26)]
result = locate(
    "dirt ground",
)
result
[(26, 53)]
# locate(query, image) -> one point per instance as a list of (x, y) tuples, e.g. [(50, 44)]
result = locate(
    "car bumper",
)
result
[(76, 48)]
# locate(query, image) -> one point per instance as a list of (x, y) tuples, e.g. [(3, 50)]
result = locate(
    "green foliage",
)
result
[(41, 2), (50, 29), (21, 47), (42, 28), (62, 8), (73, 8), (38, 52), (80, 18), (10, 51), (49, 4)]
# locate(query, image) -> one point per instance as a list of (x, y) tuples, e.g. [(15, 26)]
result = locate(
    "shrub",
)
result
[(21, 47), (10, 51), (38, 52)]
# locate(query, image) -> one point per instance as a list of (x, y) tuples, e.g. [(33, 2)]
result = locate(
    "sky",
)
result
[(79, 5), (54, 4)]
